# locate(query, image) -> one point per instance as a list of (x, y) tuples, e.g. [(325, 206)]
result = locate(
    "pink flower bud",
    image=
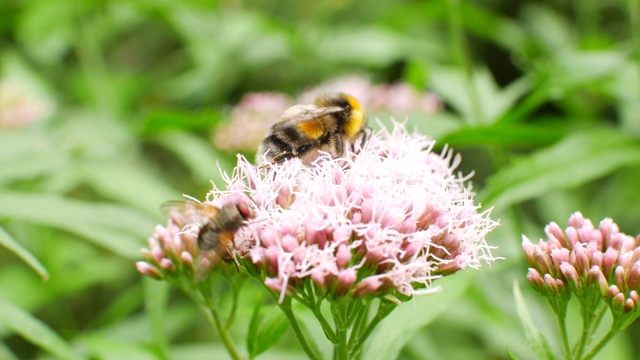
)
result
[(148, 270), (571, 274), (624, 260), (320, 276), (274, 284), (629, 305), (271, 259), (559, 256), (157, 254), (529, 250), (167, 265), (410, 249), (607, 228), (633, 295), (269, 237), (609, 262), (577, 220), (343, 256), (618, 301), (572, 237), (535, 279), (289, 243), (285, 198), (597, 259), (367, 286), (616, 241), (551, 284), (346, 279), (634, 276), (543, 262), (620, 276), (580, 259), (554, 232), (187, 259), (613, 292)]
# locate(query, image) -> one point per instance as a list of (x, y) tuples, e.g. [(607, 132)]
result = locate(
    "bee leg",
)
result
[(338, 145), (366, 134), (282, 157)]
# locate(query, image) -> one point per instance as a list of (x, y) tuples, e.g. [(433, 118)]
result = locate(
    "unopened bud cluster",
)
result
[(583, 259), (174, 253)]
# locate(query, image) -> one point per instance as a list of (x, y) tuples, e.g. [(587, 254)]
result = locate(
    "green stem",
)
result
[(341, 348), (614, 330), (328, 330), (634, 18), (565, 338), (213, 317), (288, 312), (598, 319), (460, 47), (583, 338), (234, 305), (383, 311)]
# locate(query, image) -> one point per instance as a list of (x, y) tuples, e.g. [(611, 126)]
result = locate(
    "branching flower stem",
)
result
[(285, 306)]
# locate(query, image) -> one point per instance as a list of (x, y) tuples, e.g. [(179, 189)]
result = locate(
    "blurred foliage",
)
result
[(119, 98)]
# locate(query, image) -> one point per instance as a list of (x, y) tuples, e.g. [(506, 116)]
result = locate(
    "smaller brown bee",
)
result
[(217, 225)]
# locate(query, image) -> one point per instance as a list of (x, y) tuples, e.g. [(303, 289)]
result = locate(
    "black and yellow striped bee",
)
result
[(329, 124)]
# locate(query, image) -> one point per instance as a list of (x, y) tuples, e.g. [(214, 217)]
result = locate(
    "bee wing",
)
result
[(188, 212), (299, 113)]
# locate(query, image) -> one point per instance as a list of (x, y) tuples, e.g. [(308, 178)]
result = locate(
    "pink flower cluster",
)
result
[(389, 219), (583, 256), (20, 105), (174, 252)]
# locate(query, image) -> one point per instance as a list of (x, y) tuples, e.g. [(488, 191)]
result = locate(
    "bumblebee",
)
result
[(217, 225), (328, 124)]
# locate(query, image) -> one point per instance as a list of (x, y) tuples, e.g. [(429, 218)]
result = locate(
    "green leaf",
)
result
[(129, 184), (10, 243), (199, 155), (28, 153), (163, 120), (34, 331), (536, 339), (6, 354), (493, 101), (254, 326), (402, 324), (156, 295), (266, 327), (511, 356), (579, 158), (117, 228), (504, 135), (274, 325)]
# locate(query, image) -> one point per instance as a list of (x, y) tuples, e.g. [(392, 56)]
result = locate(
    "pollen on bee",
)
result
[(312, 129)]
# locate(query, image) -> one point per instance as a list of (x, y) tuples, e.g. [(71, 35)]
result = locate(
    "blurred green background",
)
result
[(107, 109)]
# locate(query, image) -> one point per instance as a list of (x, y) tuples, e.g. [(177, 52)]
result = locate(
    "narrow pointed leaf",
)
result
[(10, 243), (34, 331), (536, 339), (576, 160)]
